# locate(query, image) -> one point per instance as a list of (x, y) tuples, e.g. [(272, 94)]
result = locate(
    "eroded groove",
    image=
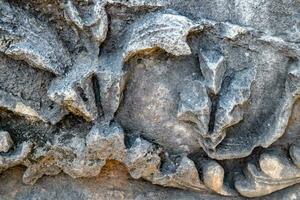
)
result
[(96, 90), (214, 104)]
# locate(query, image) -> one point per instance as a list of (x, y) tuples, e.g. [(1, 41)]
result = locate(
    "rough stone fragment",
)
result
[(17, 157), (180, 174), (23, 37), (5, 141), (289, 48), (75, 91), (142, 159), (19, 106), (78, 157), (213, 178), (97, 23), (194, 105), (233, 31), (68, 156), (106, 141), (46, 166)]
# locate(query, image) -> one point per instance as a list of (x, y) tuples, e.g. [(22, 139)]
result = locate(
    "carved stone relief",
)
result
[(178, 99)]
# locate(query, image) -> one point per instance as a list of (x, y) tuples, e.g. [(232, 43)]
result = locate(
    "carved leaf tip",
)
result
[(212, 65), (97, 23), (159, 30)]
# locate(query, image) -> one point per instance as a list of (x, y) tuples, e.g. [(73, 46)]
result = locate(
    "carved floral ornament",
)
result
[(210, 111)]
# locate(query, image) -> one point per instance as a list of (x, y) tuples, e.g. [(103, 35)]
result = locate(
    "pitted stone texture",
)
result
[(106, 141), (5, 141), (17, 157), (78, 157), (213, 178), (156, 86), (142, 159), (275, 171), (23, 37), (181, 173), (194, 104)]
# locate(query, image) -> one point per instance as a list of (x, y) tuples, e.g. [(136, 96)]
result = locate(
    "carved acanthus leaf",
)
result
[(20, 106), (158, 30), (181, 173), (84, 157), (143, 161), (97, 22), (75, 91), (229, 108), (23, 37), (166, 31), (155, 30)]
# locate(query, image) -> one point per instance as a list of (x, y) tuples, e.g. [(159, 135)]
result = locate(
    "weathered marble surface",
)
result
[(202, 96), (112, 183)]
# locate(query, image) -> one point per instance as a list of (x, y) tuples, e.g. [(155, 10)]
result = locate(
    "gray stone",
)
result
[(134, 98), (229, 108), (194, 105), (213, 178), (142, 159), (18, 157), (25, 38), (276, 172), (213, 68), (6, 142), (180, 174), (167, 31)]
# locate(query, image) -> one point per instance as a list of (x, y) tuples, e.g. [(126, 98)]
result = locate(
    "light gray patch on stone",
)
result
[(142, 159), (194, 105), (23, 37), (6, 142), (212, 65)]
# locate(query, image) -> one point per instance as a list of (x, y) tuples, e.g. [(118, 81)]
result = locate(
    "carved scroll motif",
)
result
[(276, 171)]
